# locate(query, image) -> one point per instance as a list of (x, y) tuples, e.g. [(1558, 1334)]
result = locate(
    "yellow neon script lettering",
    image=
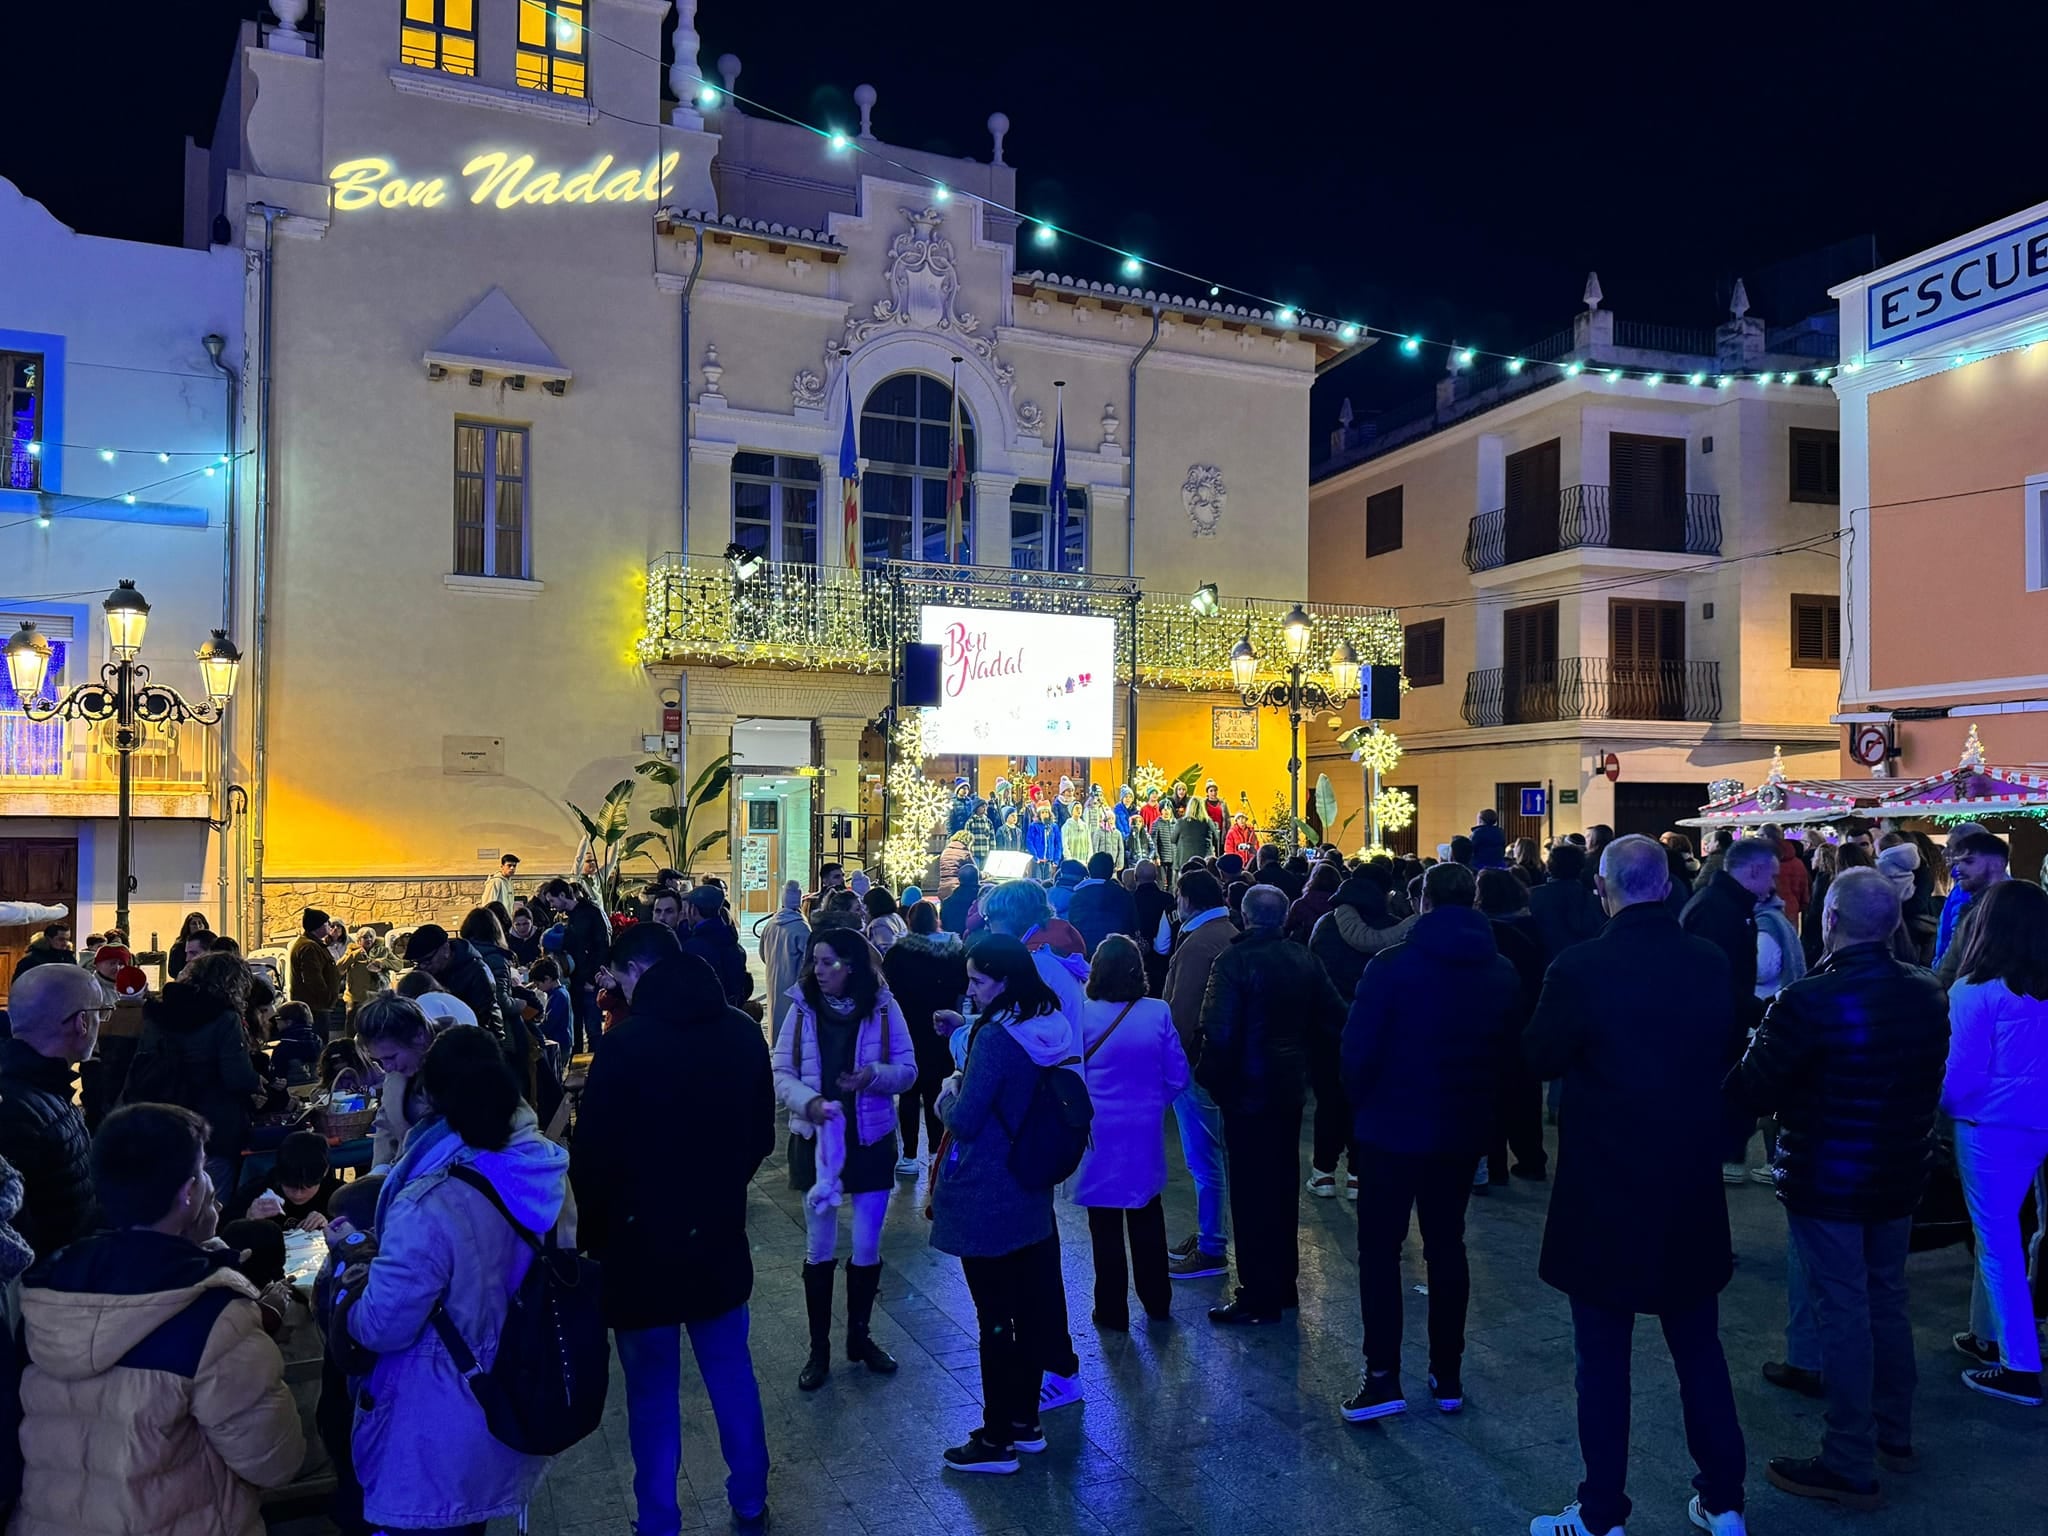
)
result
[(503, 180)]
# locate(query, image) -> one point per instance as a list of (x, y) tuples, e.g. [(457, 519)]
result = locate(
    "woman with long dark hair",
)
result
[(982, 1214), (1997, 1091), (843, 1055)]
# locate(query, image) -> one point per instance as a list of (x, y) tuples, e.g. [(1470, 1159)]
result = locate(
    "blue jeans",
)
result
[(1802, 1328), (652, 1361), (1856, 1274), (1600, 1336), (1201, 1142)]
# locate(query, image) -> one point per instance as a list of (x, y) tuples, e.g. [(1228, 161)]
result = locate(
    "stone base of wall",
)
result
[(403, 901)]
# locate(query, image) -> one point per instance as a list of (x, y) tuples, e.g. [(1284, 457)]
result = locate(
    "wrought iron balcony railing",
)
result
[(1594, 688), (1594, 517), (808, 617)]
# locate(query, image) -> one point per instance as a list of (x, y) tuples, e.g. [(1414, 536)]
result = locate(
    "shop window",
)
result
[(490, 500), (1816, 465), (1383, 523), (21, 419), (1422, 653), (775, 506), (1036, 544), (1816, 631), (439, 34), (553, 47), (906, 437)]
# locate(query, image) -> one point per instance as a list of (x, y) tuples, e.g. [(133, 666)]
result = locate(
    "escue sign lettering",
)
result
[(1969, 282), (503, 180)]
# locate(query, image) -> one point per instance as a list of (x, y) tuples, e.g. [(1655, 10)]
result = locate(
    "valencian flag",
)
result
[(849, 481), (1056, 492), (956, 479)]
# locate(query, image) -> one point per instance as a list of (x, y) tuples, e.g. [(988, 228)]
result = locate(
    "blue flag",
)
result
[(849, 482), (1056, 492)]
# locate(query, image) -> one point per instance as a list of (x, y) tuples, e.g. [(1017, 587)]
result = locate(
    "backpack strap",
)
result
[(444, 1325)]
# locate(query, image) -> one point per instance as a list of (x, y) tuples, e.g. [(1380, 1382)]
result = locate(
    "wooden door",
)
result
[(1507, 800), (1530, 522), (1646, 660), (1646, 492), (1528, 673), (40, 869)]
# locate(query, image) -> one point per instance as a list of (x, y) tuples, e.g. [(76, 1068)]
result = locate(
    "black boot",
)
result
[(862, 1281), (818, 1303)]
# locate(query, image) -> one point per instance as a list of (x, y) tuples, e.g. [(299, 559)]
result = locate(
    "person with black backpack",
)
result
[(462, 1218), (1016, 1125)]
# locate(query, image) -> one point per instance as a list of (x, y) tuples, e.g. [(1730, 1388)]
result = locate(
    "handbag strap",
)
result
[(1103, 1039)]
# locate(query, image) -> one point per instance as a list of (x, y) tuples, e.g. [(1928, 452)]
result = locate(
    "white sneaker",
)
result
[(908, 1167), (1727, 1523), (1763, 1175), (1569, 1524), (1735, 1173), (1322, 1185), (1058, 1391)]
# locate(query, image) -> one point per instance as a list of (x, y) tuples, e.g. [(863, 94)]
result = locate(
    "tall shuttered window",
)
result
[(1383, 523), (439, 34), (1422, 653), (490, 500), (1816, 465), (554, 47), (1816, 631), (21, 421)]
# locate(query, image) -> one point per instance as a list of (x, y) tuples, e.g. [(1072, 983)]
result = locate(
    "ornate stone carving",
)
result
[(1110, 426), (807, 390), (1204, 492), (924, 289), (1030, 418), (712, 372)]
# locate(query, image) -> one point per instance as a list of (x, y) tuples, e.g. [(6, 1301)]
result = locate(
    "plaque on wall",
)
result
[(473, 754), (1231, 727)]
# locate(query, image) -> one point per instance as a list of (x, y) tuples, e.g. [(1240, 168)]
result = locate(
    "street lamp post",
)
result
[(125, 695), (1296, 692)]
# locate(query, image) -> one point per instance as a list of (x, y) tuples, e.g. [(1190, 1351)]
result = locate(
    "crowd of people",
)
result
[(996, 1047)]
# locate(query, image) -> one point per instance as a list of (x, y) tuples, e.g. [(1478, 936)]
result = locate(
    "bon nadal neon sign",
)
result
[(501, 179)]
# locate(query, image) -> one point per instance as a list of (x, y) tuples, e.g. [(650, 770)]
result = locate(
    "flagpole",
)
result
[(956, 478), (1056, 490)]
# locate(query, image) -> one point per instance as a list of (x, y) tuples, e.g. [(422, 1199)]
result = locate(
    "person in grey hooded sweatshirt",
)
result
[(784, 938)]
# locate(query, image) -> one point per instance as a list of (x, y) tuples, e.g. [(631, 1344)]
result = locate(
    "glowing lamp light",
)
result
[(1573, 370), (129, 498), (1960, 358), (1244, 665), (1723, 382), (1820, 375), (1285, 317), (127, 612), (1133, 267), (106, 455), (1467, 357), (28, 661), (1347, 333), (1515, 365), (1344, 666), (707, 96), (1655, 378), (746, 563), (839, 141), (1044, 234), (1297, 630), (565, 30), (209, 471), (1204, 603), (35, 450), (1214, 291), (219, 662), (1614, 375), (1763, 378), (163, 458), (1410, 345), (42, 519), (941, 192), (1696, 379), (1791, 378), (1905, 363), (1854, 365)]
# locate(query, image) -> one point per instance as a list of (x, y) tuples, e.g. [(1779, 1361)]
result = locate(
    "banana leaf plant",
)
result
[(674, 819), (605, 835)]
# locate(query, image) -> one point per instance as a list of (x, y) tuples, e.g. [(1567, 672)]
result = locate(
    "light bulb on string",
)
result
[(1467, 357), (1347, 333), (1410, 345), (1214, 291), (107, 455), (1696, 379), (1790, 378), (1654, 379), (209, 471), (1614, 375), (1723, 382), (1573, 370), (707, 96), (1285, 317), (1515, 365), (35, 450), (163, 458), (941, 192), (1044, 234), (1133, 267), (42, 518), (838, 141), (129, 498)]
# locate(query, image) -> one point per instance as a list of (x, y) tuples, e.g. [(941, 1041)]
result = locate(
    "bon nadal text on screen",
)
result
[(1021, 684)]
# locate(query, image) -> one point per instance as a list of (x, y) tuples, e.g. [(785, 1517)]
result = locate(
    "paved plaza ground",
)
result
[(1188, 1428)]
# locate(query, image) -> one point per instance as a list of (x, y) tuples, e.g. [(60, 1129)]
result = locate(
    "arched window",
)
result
[(906, 429)]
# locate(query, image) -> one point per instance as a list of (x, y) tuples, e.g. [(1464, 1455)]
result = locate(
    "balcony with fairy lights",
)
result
[(788, 616), (69, 768)]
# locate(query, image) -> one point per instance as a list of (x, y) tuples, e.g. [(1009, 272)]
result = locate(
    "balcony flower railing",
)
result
[(807, 617), (1593, 517), (1594, 688)]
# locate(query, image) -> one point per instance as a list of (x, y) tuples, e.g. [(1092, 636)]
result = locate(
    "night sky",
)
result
[(1434, 168)]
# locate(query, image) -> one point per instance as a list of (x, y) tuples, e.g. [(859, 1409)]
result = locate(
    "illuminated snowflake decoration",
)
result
[(1393, 810), (1148, 778), (917, 805), (1379, 750)]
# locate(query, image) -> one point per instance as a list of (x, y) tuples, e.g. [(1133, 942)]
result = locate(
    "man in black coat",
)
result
[(677, 1116), (1101, 906), (713, 940), (588, 946), (57, 1011), (1723, 912), (460, 970), (1851, 1060), (1564, 906), (1265, 995), (1518, 1125), (1425, 1047), (1639, 1023)]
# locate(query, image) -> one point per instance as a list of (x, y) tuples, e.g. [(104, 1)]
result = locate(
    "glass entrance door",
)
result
[(772, 839)]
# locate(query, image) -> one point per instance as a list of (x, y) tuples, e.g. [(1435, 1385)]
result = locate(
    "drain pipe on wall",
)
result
[(260, 709), (1131, 548), (684, 424), (215, 345)]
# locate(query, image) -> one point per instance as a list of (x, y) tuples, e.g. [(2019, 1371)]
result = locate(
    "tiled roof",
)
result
[(761, 229), (1176, 301)]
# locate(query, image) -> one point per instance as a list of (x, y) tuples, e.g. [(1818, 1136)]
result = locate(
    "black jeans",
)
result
[(1333, 1109), (934, 1065), (1438, 1189), (1011, 1306), (1518, 1125), (1265, 1208), (1057, 1354), (1147, 1225), (1601, 1338)]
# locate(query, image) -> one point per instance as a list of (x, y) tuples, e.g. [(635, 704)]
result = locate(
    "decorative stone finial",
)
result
[(864, 98), (1973, 752), (1344, 414), (1777, 763), (289, 13), (998, 125), (1592, 296), (1738, 301), (1110, 425), (729, 72), (712, 372), (684, 77)]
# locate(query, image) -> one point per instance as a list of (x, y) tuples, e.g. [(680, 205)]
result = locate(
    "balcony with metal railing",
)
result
[(797, 617), (1593, 688), (1594, 517), (70, 768)]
